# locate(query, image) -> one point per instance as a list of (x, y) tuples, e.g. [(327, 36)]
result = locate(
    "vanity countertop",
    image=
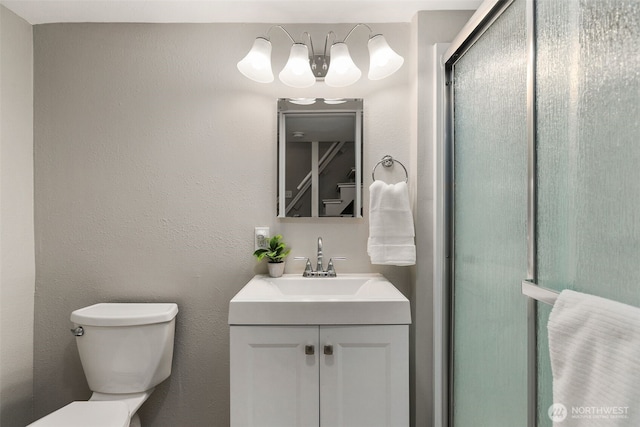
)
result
[(344, 300)]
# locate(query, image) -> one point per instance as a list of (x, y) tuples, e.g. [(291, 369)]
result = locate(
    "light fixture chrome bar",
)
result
[(283, 29), (538, 293), (353, 29)]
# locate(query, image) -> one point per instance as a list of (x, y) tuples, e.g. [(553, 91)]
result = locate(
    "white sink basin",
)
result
[(295, 300), (318, 287)]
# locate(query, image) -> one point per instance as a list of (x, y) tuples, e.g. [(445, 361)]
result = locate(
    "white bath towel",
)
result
[(594, 344), (391, 231)]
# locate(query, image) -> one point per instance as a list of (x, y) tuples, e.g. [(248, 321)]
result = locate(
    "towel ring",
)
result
[(387, 161)]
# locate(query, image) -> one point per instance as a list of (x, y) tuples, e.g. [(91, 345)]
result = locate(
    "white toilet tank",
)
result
[(126, 347)]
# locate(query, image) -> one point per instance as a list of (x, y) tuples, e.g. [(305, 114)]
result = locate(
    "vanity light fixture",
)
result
[(304, 66), (257, 64)]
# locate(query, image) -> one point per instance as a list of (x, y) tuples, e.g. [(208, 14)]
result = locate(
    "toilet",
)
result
[(126, 350)]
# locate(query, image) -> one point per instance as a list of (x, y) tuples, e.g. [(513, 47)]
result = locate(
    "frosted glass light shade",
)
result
[(383, 61), (342, 70), (256, 65), (297, 72)]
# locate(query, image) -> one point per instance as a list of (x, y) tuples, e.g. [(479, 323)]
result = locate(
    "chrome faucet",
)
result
[(320, 271), (319, 263)]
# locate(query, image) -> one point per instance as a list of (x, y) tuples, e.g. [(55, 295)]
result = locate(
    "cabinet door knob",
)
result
[(328, 350), (309, 350)]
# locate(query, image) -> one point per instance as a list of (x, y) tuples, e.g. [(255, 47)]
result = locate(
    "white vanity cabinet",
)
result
[(327, 375), (311, 352)]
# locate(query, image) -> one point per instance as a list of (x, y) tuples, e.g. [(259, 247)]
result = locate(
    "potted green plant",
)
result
[(275, 254)]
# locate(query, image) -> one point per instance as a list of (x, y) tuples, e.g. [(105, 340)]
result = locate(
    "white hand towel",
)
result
[(594, 344), (391, 232)]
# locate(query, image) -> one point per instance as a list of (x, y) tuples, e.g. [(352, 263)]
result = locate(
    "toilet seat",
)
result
[(83, 414)]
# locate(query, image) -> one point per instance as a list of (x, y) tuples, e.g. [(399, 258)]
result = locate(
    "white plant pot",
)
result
[(276, 269)]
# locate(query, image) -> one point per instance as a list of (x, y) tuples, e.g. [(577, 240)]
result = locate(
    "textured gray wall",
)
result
[(17, 265), (154, 160)]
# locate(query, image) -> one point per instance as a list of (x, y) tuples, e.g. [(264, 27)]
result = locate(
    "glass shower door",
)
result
[(588, 128), (490, 232)]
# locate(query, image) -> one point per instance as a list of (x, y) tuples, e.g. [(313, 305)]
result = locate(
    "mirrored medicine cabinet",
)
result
[(319, 158)]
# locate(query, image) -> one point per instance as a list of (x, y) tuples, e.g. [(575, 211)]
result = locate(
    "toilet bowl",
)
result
[(126, 349)]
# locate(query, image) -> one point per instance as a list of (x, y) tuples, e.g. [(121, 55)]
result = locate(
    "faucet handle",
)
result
[(331, 271), (308, 269)]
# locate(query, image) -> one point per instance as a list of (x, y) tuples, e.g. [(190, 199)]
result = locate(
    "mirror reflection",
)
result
[(319, 157)]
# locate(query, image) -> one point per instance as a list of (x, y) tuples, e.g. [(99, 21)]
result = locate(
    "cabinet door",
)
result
[(274, 383), (365, 382)]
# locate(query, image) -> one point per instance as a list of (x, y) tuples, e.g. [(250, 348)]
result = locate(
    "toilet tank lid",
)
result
[(124, 314)]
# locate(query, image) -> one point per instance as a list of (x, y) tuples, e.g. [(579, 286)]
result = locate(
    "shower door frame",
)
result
[(488, 12)]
